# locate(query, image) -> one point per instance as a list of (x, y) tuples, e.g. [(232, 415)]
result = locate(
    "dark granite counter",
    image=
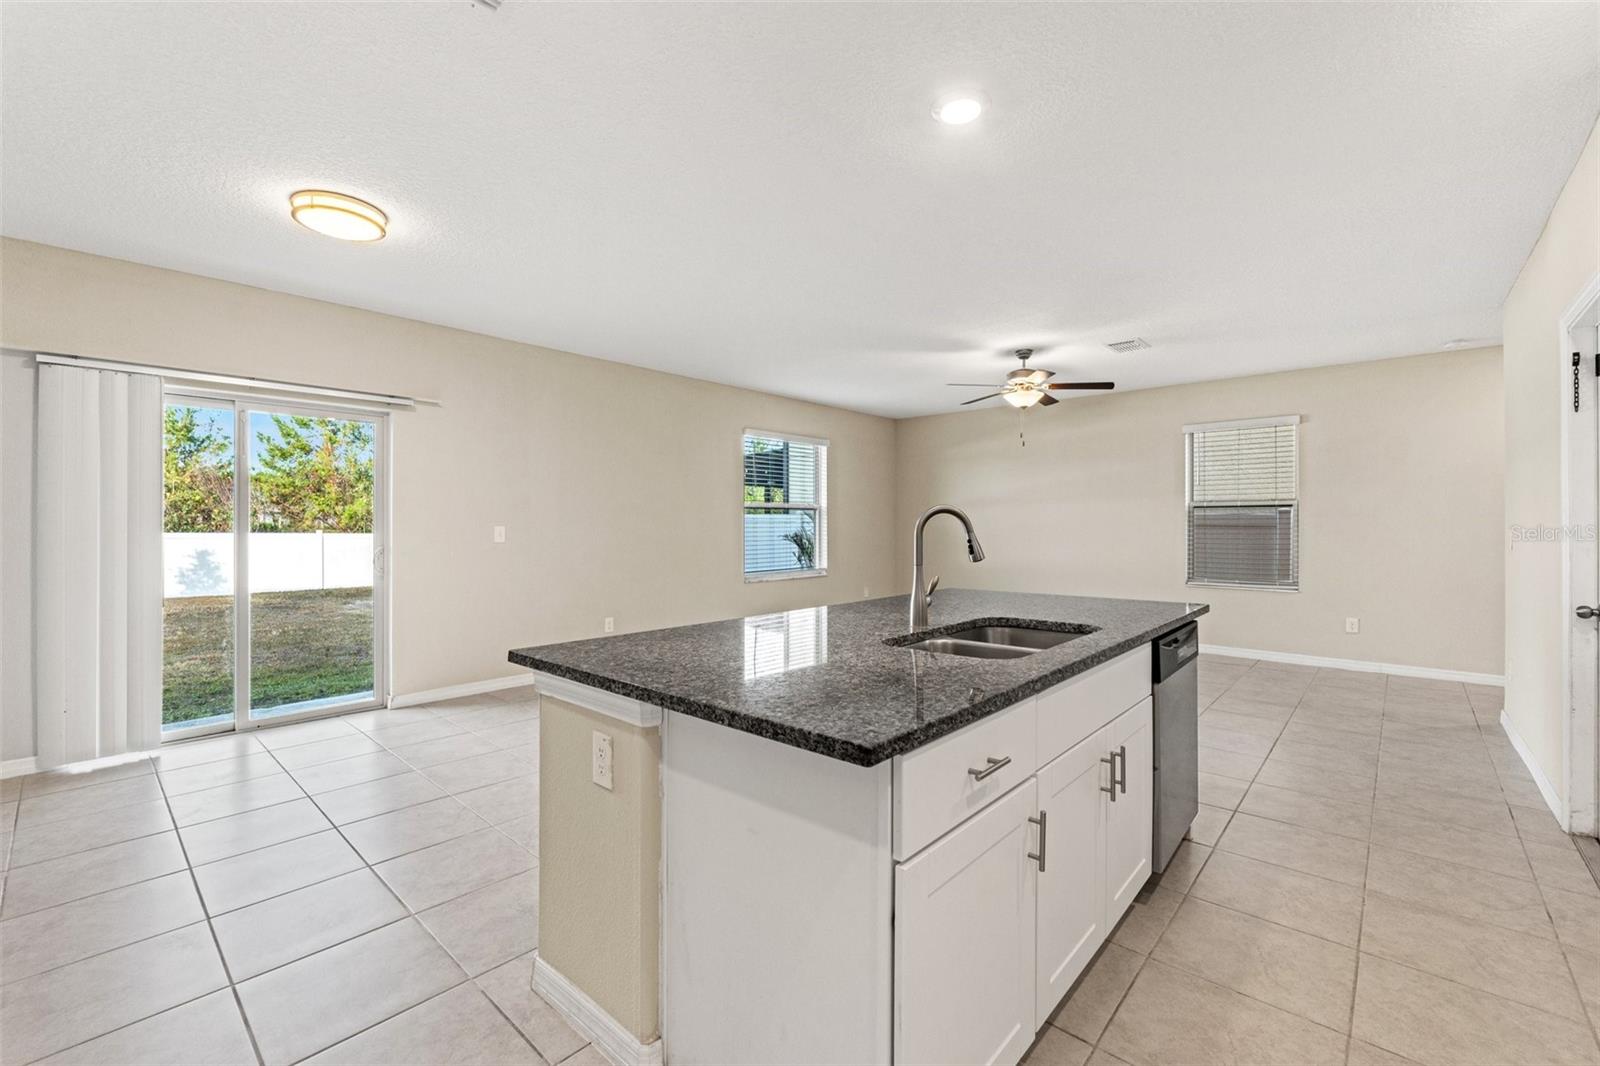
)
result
[(823, 678)]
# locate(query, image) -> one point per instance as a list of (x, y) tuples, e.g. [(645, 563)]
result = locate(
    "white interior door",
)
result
[(1072, 906), (964, 941), (1128, 817)]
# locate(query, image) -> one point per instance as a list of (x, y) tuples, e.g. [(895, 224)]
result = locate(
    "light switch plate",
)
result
[(1352, 625), (600, 769), (499, 534)]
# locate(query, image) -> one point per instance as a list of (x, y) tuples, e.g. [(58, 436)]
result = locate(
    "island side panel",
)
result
[(777, 901), (599, 862)]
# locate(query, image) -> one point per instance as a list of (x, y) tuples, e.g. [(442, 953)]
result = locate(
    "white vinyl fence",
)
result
[(201, 564)]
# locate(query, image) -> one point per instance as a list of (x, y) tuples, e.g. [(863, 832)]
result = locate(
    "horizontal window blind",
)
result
[(785, 504), (1243, 505)]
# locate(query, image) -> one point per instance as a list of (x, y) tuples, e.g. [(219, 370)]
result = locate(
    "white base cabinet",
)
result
[(964, 932), (997, 918), (931, 909), (1129, 816), (1072, 884)]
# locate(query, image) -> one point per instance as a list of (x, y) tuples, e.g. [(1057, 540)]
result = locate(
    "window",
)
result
[(785, 506), (1244, 503)]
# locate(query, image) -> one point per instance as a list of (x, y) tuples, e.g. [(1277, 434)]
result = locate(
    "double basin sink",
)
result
[(996, 641)]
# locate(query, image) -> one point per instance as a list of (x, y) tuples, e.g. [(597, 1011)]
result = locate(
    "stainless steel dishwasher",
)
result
[(1176, 723)]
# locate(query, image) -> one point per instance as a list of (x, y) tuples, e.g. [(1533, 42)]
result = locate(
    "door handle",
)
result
[(1587, 613), (1111, 760), (1122, 781), (994, 767), (1040, 822)]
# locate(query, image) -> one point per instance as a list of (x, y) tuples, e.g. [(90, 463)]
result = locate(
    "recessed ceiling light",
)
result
[(958, 109), (334, 214)]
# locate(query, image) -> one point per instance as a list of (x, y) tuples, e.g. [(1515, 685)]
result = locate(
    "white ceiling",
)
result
[(756, 194)]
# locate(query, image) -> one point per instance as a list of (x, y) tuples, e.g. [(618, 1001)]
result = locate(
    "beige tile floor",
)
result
[(1373, 878), (361, 889)]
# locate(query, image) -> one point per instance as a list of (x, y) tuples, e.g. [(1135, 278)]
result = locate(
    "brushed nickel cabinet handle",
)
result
[(994, 766), (1122, 780), (1111, 760), (1040, 822)]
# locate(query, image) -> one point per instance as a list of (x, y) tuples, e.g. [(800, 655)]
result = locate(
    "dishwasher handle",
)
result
[(1175, 650)]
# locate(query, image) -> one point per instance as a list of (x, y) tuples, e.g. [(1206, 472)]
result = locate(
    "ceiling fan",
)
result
[(1024, 387)]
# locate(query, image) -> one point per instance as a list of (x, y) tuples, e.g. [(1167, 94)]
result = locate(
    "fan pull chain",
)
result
[(1022, 425)]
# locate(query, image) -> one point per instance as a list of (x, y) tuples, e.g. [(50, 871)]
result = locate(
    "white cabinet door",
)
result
[(1072, 883), (964, 940), (1128, 818)]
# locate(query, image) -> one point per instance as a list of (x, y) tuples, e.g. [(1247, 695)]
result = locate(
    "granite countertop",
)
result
[(823, 678)]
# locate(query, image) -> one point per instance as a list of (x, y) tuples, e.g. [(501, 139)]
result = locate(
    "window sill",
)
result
[(1246, 588), (784, 575)]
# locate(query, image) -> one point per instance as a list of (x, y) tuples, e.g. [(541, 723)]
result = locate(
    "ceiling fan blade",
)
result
[(1081, 385), (980, 399), (1039, 377), (970, 384), (1045, 399)]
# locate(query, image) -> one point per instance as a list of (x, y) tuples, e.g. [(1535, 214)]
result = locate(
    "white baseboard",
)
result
[(450, 692), (1361, 665), (590, 1019), (18, 767), (1552, 798)]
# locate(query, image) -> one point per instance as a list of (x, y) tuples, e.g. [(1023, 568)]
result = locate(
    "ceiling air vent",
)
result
[(1137, 344)]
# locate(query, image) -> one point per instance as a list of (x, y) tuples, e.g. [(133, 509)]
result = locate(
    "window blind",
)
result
[(1243, 503), (785, 505)]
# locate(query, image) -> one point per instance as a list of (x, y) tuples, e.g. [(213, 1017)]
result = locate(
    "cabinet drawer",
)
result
[(1076, 708), (935, 787)]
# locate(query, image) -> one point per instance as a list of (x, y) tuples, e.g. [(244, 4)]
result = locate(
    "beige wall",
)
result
[(618, 486), (600, 863), (1563, 261), (1401, 514)]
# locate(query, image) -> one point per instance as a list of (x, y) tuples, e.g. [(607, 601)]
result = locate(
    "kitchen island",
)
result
[(865, 852)]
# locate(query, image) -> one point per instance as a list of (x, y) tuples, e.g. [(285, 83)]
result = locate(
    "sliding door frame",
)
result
[(242, 404)]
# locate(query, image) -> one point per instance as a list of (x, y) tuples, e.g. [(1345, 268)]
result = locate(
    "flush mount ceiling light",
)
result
[(960, 108), (334, 214)]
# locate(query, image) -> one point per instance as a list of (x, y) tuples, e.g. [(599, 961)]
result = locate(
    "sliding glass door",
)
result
[(273, 557)]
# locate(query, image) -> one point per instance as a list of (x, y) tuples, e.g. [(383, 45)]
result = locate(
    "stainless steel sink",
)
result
[(996, 642), (1014, 636), (971, 648)]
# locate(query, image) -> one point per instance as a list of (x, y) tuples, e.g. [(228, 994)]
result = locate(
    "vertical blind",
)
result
[(785, 504), (1244, 503)]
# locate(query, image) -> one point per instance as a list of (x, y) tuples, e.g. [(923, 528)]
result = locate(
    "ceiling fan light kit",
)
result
[(1026, 387)]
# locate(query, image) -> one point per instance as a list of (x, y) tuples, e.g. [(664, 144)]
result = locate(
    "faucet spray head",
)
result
[(974, 550)]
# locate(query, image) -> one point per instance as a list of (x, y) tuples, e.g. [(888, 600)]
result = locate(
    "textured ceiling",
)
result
[(756, 194)]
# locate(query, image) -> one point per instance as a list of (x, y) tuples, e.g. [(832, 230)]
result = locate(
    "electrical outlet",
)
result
[(1352, 625), (600, 768), (499, 534), (866, 592), (611, 625)]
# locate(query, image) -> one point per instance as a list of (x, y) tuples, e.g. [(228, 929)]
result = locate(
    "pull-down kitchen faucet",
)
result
[(920, 596)]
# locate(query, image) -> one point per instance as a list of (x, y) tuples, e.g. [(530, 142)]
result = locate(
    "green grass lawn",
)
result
[(305, 646)]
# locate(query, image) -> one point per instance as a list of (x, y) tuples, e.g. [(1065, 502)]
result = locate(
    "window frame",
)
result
[(1189, 432), (820, 507)]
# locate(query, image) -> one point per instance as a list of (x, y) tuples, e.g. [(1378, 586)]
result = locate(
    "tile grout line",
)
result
[(207, 916), (216, 944), (410, 915)]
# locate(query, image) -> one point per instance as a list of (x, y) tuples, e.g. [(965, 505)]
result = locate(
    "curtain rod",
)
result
[(176, 374)]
